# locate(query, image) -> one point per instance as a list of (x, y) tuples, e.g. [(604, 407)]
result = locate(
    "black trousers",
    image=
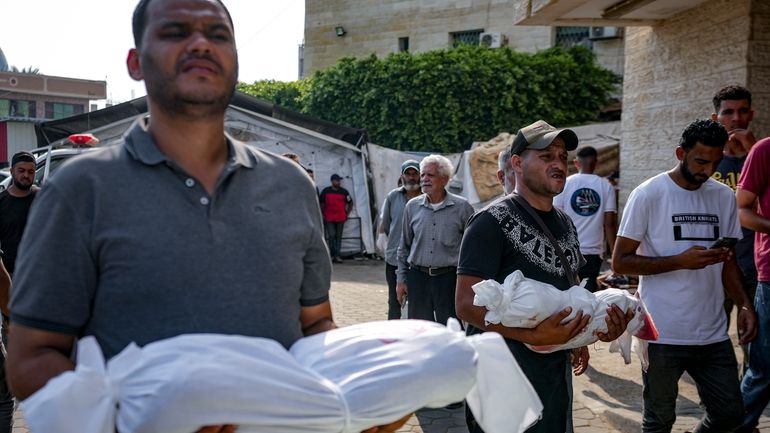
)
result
[(394, 308), (591, 270), (431, 297)]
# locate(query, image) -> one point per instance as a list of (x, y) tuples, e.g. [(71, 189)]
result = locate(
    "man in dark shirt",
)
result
[(14, 205), (336, 205), (732, 109), (502, 238)]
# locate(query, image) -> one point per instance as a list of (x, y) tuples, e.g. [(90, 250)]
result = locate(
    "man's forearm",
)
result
[(610, 229), (751, 220), (732, 280), (634, 264), (26, 376)]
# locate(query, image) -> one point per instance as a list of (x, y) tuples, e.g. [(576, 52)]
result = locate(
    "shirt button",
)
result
[(204, 201), (189, 182)]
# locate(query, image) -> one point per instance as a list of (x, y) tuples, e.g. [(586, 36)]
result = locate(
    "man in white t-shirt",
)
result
[(589, 200), (668, 225)]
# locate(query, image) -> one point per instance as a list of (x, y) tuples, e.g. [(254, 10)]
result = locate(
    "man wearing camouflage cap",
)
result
[(506, 236)]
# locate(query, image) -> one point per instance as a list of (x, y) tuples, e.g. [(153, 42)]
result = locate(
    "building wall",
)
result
[(672, 71), (21, 136), (375, 26), (759, 66)]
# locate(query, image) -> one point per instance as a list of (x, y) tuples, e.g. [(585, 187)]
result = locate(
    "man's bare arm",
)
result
[(610, 228), (732, 280), (316, 319), (35, 357), (625, 260), (748, 213)]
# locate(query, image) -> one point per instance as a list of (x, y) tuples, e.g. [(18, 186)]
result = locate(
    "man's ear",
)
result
[(133, 65), (714, 117), (680, 153)]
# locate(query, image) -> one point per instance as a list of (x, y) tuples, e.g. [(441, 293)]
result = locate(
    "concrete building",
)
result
[(29, 98), (677, 55), (355, 28)]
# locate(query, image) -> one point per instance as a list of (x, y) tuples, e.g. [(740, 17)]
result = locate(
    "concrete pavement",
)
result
[(608, 397)]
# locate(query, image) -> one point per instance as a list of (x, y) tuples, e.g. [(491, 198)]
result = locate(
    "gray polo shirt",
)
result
[(431, 237), (125, 246), (391, 219)]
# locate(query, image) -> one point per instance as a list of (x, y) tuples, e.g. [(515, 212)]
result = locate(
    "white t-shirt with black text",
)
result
[(686, 305), (586, 198)]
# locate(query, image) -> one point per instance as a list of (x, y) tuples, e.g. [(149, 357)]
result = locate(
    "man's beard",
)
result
[(22, 186), (162, 90), (411, 187), (689, 177)]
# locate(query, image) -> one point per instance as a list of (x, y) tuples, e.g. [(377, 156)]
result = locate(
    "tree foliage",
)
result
[(444, 100), (285, 94)]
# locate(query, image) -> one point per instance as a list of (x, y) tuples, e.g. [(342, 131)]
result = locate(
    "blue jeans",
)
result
[(756, 382), (714, 369), (334, 237)]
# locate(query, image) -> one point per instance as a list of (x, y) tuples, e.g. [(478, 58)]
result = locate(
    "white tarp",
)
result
[(323, 154), (385, 166)]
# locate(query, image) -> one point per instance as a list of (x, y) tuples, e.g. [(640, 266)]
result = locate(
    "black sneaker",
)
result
[(454, 406)]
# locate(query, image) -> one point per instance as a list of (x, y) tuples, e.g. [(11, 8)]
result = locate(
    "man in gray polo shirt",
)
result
[(432, 229), (390, 228), (179, 229)]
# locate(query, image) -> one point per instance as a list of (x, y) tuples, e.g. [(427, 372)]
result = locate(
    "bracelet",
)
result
[(745, 308)]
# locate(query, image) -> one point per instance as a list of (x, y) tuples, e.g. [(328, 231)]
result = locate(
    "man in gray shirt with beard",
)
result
[(390, 228)]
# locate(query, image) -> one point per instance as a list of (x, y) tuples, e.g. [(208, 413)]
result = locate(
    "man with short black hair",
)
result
[(589, 200), (336, 204), (390, 228), (732, 109), (505, 237), (178, 229), (669, 225), (15, 203)]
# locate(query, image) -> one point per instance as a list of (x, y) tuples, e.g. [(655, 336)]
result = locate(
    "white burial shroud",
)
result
[(522, 302), (345, 380)]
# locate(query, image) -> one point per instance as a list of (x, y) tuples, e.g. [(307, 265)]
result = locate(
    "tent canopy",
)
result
[(322, 146)]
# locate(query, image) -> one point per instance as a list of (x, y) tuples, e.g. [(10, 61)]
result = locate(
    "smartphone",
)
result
[(724, 243)]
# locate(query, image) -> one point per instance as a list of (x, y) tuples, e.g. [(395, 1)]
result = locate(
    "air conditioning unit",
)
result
[(606, 33), (492, 39)]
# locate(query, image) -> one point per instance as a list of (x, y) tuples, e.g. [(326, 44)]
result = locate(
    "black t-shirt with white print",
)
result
[(499, 241)]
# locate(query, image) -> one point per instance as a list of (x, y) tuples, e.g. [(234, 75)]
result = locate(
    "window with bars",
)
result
[(570, 36), (468, 37)]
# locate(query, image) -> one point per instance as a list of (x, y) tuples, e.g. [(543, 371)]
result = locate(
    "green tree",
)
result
[(444, 100), (286, 94), (28, 70)]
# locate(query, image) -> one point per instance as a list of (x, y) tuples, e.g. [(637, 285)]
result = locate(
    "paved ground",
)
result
[(608, 397)]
